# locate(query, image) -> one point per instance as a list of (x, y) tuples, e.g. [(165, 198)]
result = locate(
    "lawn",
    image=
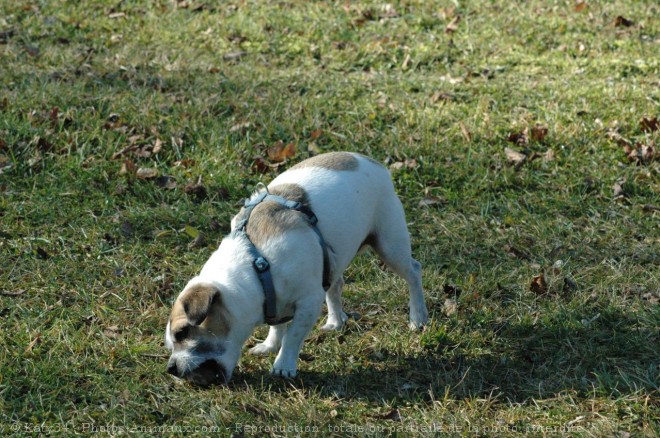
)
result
[(522, 139)]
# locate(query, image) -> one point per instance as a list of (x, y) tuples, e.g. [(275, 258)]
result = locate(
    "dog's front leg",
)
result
[(306, 314), (272, 342)]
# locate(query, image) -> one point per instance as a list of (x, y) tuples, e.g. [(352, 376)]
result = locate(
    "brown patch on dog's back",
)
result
[(331, 160), (270, 219)]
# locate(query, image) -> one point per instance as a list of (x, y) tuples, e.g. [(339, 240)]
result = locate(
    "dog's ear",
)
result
[(197, 300)]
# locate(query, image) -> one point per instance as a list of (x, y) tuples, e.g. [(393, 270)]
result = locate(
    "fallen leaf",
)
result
[(519, 138), (440, 95), (196, 190), (549, 155), (191, 231), (650, 207), (315, 134), (197, 242), (42, 253), (514, 157), (408, 163), (32, 343), (166, 182), (112, 331), (115, 15), (450, 306), (280, 152), (186, 163), (453, 25), (617, 189), (260, 165), (241, 127), (465, 132), (539, 285), (581, 6), (519, 253), (623, 22), (234, 56), (12, 293), (451, 290), (649, 124), (158, 145), (146, 173), (539, 132), (128, 167), (393, 415), (430, 201)]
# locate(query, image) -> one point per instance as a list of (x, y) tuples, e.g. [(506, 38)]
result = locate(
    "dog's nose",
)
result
[(173, 369)]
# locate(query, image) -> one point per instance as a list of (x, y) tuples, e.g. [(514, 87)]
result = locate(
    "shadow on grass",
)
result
[(611, 356)]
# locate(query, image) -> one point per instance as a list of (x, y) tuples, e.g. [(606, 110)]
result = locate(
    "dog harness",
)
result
[(259, 262)]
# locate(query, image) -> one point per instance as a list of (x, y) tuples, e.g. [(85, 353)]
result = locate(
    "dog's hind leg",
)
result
[(336, 315), (392, 243), (272, 342)]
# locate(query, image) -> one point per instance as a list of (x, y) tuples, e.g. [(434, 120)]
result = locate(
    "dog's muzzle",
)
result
[(208, 373)]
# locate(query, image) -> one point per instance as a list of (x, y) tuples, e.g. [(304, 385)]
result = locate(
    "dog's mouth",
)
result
[(207, 373)]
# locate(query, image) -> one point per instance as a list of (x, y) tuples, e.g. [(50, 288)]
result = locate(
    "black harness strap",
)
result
[(262, 266)]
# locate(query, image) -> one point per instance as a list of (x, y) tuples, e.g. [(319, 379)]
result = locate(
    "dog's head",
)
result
[(198, 335)]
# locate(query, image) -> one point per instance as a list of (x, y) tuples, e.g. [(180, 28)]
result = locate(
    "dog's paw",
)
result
[(335, 323), (282, 372), (262, 349), (418, 324)]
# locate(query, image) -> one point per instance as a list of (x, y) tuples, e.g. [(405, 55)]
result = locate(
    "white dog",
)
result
[(279, 264)]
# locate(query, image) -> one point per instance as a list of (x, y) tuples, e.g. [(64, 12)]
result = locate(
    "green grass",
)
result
[(91, 259)]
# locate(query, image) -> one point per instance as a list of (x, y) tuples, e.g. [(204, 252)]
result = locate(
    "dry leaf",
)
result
[(465, 132), (514, 157), (581, 6), (196, 190), (260, 165), (519, 138), (549, 155), (623, 22), (617, 189), (158, 145), (430, 201), (117, 15), (32, 343), (649, 124), (539, 285), (315, 134), (408, 163), (234, 56), (128, 167), (539, 132), (240, 127), (512, 250), (146, 173), (393, 415), (166, 182), (450, 306), (112, 331), (453, 25), (280, 152)]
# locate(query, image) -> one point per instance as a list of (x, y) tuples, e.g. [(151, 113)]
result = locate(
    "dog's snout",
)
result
[(173, 369)]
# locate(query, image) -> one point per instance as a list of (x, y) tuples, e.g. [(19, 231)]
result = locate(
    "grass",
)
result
[(92, 257)]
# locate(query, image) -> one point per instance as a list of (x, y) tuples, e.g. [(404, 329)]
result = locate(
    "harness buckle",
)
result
[(261, 264)]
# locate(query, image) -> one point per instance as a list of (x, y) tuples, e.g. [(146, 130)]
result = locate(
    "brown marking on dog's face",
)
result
[(270, 219), (331, 160), (198, 313)]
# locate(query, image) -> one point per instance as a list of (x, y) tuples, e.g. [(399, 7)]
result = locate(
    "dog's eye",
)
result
[(181, 333)]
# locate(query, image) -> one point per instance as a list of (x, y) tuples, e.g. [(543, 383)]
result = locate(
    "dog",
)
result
[(286, 254)]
